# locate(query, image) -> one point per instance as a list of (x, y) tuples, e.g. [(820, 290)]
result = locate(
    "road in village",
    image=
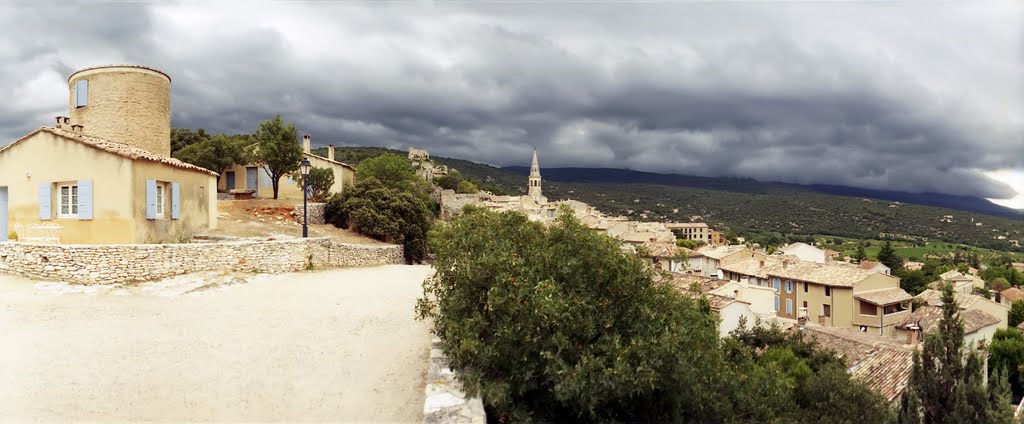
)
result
[(340, 346)]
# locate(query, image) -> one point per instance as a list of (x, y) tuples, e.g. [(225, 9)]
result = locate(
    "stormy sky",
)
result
[(906, 95)]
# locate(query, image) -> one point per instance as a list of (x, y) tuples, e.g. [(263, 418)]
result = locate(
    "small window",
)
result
[(776, 303), (81, 93), (805, 287), (826, 310), (828, 291), (868, 309), (160, 196), (789, 306), (789, 286), (805, 304), (67, 201)]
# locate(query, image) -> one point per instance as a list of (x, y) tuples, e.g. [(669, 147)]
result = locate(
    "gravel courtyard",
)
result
[(338, 346)]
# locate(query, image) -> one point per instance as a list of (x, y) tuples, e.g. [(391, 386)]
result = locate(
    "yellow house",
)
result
[(104, 174), (255, 178)]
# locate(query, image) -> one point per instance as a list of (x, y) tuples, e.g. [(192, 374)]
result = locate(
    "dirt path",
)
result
[(339, 346)]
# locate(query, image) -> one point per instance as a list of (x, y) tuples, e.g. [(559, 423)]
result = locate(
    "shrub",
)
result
[(384, 213), (320, 182), (12, 235)]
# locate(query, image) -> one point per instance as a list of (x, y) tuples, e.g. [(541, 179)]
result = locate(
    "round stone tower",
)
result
[(123, 103)]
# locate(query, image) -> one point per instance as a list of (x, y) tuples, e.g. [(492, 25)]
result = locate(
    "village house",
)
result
[(968, 302), (254, 179), (805, 252), (707, 260), (875, 266), (1010, 295), (962, 283), (839, 295), (104, 174), (882, 364), (979, 326), (759, 299)]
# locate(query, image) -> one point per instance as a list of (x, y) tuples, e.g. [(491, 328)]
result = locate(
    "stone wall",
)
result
[(445, 401), (316, 213), (103, 264)]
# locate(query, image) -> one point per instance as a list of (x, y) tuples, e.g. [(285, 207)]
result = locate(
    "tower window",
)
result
[(81, 93)]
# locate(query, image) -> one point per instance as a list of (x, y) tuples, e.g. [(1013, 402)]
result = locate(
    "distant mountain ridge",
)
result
[(752, 186)]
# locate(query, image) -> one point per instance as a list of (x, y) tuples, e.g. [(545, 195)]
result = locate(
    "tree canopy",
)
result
[(278, 151), (216, 153), (385, 213), (556, 324)]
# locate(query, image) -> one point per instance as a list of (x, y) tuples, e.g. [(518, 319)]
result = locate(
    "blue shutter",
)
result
[(45, 213), (175, 201), (150, 199), (84, 199), (81, 93)]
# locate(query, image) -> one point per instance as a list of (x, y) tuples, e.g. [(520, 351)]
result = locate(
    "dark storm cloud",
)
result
[(788, 94)]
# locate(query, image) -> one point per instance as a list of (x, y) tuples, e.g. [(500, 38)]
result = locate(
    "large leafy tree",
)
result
[(556, 324), (385, 213), (182, 137), (217, 152), (278, 151), (946, 388)]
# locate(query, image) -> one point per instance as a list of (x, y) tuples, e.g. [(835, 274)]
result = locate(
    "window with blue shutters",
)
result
[(81, 93), (67, 201), (84, 199), (175, 201), (45, 213), (789, 306), (150, 199)]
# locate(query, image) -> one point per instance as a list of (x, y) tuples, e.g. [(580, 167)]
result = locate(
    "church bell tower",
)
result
[(534, 191)]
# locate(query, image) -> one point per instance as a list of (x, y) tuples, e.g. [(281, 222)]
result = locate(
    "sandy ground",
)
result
[(243, 218), (338, 346)]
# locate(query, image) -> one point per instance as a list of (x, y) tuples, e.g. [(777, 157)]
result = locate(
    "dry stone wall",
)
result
[(104, 264), (316, 213)]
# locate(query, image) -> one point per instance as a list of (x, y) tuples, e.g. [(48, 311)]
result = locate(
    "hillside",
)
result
[(742, 205)]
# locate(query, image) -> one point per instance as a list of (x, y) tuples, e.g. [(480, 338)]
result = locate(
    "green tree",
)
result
[(447, 182), (914, 282), (393, 171), (384, 213), (278, 151), (860, 255), (888, 257), (999, 284), (181, 137), (943, 387), (216, 153), (1006, 352), (467, 187), (320, 182)]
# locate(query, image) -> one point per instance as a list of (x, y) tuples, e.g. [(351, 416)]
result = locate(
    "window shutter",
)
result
[(81, 93), (175, 201), (84, 199), (150, 199), (45, 213)]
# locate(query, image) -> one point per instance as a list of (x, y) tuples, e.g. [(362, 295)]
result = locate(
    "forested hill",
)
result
[(747, 185), (742, 204)]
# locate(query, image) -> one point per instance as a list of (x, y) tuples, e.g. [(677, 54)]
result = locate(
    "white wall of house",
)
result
[(984, 334), (805, 252), (761, 300), (730, 315)]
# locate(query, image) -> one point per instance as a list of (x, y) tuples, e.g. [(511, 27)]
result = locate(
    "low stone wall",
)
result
[(119, 263), (316, 213), (445, 401)]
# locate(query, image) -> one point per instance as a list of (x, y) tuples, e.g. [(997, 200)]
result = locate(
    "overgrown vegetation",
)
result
[(947, 381), (388, 203), (556, 324), (320, 182), (215, 152)]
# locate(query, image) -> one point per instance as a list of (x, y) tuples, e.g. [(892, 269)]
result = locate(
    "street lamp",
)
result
[(304, 168)]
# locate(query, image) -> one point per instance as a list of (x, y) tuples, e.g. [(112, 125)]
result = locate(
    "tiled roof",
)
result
[(683, 282), (752, 266), (1012, 294), (868, 264), (718, 301), (719, 252), (885, 372), (329, 160), (884, 296), (928, 317), (880, 363), (830, 274), (120, 149), (934, 298), (663, 249)]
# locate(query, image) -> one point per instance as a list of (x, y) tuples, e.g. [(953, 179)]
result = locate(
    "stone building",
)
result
[(104, 174)]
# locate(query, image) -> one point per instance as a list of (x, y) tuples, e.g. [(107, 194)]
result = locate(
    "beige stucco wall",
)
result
[(289, 187), (993, 308), (877, 281), (198, 203), (46, 158), (127, 104)]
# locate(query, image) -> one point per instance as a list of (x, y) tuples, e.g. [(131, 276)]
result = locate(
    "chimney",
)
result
[(330, 151), (915, 335), (305, 143), (76, 128), (60, 120), (785, 263), (762, 263)]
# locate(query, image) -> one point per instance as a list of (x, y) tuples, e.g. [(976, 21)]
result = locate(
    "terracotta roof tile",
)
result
[(880, 363), (927, 319), (1012, 294), (884, 296), (120, 149), (830, 274)]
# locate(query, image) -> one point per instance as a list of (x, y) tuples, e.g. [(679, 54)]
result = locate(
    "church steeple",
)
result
[(535, 189)]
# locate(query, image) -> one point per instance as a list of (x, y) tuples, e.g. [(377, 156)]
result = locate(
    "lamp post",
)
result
[(304, 168)]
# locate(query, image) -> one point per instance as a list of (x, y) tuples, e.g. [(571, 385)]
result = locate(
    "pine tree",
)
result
[(887, 256), (946, 388), (860, 255)]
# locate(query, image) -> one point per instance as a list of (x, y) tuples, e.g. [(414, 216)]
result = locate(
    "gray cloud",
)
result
[(805, 93)]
